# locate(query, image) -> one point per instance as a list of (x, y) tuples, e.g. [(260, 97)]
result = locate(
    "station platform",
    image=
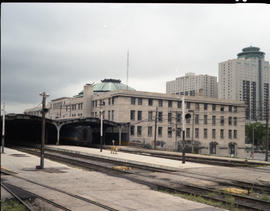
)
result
[(162, 163), (119, 193), (199, 156), (255, 175)]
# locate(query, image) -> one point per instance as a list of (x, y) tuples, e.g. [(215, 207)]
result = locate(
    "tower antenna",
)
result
[(127, 66)]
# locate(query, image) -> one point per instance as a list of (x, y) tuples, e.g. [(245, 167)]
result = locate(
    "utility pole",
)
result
[(155, 137), (44, 110), (252, 142), (267, 128), (192, 130), (3, 128), (183, 128), (176, 147), (101, 126)]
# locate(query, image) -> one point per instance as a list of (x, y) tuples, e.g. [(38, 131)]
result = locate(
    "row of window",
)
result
[(98, 103), (231, 133), (179, 104), (231, 120), (109, 115), (73, 107)]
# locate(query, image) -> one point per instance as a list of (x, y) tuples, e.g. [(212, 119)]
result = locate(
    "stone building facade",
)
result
[(215, 127)]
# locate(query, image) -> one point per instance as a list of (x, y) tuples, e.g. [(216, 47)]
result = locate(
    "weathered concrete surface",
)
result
[(131, 158), (112, 191)]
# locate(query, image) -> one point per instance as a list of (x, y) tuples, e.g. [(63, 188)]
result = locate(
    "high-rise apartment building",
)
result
[(246, 79), (191, 85)]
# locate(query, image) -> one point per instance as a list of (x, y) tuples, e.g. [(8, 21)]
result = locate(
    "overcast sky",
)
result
[(58, 48)]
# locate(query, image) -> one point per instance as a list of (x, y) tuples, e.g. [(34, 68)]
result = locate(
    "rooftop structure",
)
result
[(107, 85)]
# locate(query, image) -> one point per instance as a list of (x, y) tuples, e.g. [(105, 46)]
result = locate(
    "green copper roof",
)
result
[(107, 85), (251, 52)]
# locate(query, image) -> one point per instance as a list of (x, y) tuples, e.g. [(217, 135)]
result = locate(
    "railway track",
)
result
[(225, 182), (12, 189), (20, 200), (139, 175)]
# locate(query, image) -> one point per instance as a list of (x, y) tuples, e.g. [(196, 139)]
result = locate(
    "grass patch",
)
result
[(12, 205), (230, 205)]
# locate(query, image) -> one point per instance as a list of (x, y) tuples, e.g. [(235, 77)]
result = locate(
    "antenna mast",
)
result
[(127, 66)]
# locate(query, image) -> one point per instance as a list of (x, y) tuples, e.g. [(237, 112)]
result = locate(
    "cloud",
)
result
[(59, 47)]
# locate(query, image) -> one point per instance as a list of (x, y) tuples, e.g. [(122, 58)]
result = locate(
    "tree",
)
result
[(259, 133)]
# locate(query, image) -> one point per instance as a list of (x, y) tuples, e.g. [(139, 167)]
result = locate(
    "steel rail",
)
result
[(17, 197), (64, 192), (40, 197), (249, 202)]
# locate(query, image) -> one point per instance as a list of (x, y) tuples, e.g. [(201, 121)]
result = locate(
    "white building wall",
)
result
[(191, 82)]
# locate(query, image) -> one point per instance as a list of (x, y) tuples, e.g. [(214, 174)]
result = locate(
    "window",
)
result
[(196, 119), (160, 103), (169, 117), (139, 130), (169, 103), (159, 131), (205, 133), (150, 115), (230, 134), (197, 106), (179, 104), (150, 131), (235, 121), (160, 116), (235, 134), (205, 119), (150, 102), (169, 132), (109, 101), (188, 105), (213, 120), (113, 115), (230, 108), (205, 106), (178, 132), (132, 115), (196, 132), (214, 133), (188, 120), (139, 117), (113, 100), (235, 108), (188, 132), (230, 120), (222, 120), (213, 107), (222, 108), (109, 115), (178, 117), (132, 130), (221, 133), (139, 101), (132, 100)]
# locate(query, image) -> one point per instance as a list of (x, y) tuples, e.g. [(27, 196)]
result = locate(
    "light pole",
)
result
[(192, 111), (253, 142), (3, 128), (44, 110), (101, 126)]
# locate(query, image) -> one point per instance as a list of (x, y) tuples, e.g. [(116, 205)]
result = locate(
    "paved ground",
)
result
[(252, 175), (115, 192), (133, 158)]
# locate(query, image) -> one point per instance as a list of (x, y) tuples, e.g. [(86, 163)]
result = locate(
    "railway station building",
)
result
[(216, 126)]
